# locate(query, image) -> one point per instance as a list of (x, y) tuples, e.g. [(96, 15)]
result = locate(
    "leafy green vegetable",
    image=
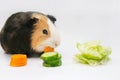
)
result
[(92, 53), (51, 59)]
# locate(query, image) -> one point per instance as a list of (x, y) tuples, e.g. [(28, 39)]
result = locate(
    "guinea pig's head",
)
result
[(44, 32)]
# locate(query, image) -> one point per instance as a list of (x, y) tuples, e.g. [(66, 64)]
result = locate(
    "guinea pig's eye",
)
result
[(45, 31)]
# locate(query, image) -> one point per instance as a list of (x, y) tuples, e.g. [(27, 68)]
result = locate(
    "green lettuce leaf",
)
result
[(92, 53)]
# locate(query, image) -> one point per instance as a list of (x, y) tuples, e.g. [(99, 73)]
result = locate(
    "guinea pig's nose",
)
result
[(56, 43)]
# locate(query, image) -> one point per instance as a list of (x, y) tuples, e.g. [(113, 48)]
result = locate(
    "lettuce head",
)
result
[(92, 53)]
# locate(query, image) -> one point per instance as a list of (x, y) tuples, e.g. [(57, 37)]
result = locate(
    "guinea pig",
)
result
[(29, 33)]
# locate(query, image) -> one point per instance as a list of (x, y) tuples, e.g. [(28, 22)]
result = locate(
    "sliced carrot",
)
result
[(48, 49), (18, 60)]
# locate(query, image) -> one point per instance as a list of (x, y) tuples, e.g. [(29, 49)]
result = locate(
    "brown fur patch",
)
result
[(37, 36)]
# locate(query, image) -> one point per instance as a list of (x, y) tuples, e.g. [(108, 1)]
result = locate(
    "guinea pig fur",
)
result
[(29, 33)]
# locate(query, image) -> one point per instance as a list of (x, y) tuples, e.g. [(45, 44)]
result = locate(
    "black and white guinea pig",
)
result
[(29, 33)]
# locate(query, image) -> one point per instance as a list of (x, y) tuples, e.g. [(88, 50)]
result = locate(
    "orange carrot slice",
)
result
[(48, 49), (18, 60)]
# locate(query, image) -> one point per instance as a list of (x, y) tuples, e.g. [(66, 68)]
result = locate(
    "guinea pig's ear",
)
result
[(52, 18), (32, 21)]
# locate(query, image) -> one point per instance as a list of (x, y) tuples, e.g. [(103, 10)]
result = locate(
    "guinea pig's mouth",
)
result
[(52, 44), (42, 46)]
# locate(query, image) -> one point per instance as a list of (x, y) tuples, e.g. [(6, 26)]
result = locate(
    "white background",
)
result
[(77, 21)]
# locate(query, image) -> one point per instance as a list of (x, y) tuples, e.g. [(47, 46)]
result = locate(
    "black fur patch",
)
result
[(16, 34), (52, 18)]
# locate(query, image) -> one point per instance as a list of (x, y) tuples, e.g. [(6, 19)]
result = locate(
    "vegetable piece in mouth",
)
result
[(48, 49)]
